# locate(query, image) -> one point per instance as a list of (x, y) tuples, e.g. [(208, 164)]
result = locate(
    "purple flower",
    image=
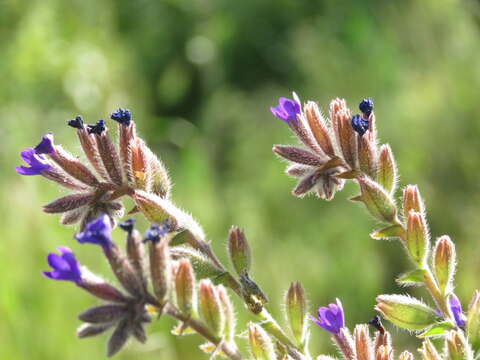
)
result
[(456, 307), (331, 318), (359, 124), (98, 128), (122, 116), (76, 123), (366, 106), (287, 110), (46, 146), (37, 163), (98, 232), (65, 266)]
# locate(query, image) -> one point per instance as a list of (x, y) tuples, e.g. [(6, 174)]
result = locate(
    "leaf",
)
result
[(389, 232), (437, 329), (415, 277)]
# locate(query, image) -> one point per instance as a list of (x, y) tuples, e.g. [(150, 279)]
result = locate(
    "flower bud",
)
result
[(296, 310), (378, 202), (457, 347), (319, 127), (406, 312), (110, 158), (417, 239), (384, 353), (444, 261), (363, 343), (230, 317), (160, 269), (211, 310), (406, 355), (387, 169), (368, 157), (239, 251), (473, 322), (345, 135), (412, 200), (429, 352), (260, 343), (185, 288), (158, 181), (90, 148)]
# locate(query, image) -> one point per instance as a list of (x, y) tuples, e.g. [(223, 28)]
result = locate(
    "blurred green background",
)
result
[(199, 77)]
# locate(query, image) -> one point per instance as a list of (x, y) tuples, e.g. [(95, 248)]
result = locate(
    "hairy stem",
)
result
[(229, 349), (440, 300)]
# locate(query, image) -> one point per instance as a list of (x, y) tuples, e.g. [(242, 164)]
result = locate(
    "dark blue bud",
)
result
[(359, 124), (128, 225), (366, 106), (98, 128), (76, 123), (157, 231), (122, 116)]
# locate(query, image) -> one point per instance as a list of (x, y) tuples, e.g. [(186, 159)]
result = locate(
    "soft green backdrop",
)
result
[(200, 76)]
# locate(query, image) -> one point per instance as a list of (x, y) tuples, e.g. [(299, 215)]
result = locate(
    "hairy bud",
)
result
[(457, 347), (103, 291), (103, 314), (444, 262), (229, 312), (185, 288), (211, 309), (260, 343), (298, 155), (378, 202), (296, 310), (406, 355), (363, 343), (473, 322), (417, 239), (346, 137), (239, 251), (368, 157), (73, 166), (387, 169), (406, 312), (160, 269), (412, 200), (428, 351), (319, 127), (384, 353), (68, 202)]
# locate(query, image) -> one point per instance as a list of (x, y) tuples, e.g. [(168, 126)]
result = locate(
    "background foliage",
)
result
[(199, 77)]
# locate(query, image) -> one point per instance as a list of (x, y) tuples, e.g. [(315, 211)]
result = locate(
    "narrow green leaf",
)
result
[(437, 329), (415, 277), (389, 232)]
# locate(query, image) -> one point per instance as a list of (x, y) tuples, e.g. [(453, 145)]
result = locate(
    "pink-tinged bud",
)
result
[(457, 347), (368, 156), (239, 251), (363, 343), (139, 165), (110, 158), (473, 322), (211, 310), (298, 155), (384, 353), (74, 167), (229, 312), (412, 200), (136, 253), (296, 311), (319, 127), (387, 169), (202, 266), (444, 262), (90, 148), (346, 137), (260, 343), (68, 202), (160, 269), (185, 288), (378, 202), (406, 355), (344, 341), (428, 351), (417, 239), (406, 312), (382, 339)]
